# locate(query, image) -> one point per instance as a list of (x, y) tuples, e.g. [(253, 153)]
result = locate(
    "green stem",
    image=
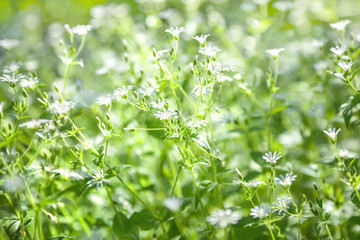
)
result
[(35, 155), (328, 231), (133, 193), (271, 232)]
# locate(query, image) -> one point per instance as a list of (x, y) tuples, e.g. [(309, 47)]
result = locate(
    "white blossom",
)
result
[(68, 174), (175, 32), (286, 180), (11, 79), (105, 100), (222, 218), (123, 92), (282, 205), (81, 29), (160, 104), (261, 211), (275, 52), (30, 82), (98, 178), (197, 124), (332, 133), (341, 25), (202, 39), (165, 114), (209, 50), (272, 157), (58, 107), (173, 203), (12, 67), (338, 50), (9, 43), (345, 66)]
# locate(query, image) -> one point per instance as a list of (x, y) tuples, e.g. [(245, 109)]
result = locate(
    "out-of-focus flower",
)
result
[(261, 211), (105, 100), (9, 44), (175, 32), (275, 52), (202, 39), (173, 203), (338, 50), (81, 29), (165, 114), (160, 104), (341, 25), (345, 66), (222, 218)]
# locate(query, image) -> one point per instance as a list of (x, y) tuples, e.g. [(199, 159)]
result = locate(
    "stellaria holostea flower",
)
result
[(345, 66), (160, 104), (173, 203), (197, 124), (282, 205), (202, 39), (332, 133), (123, 92), (272, 157), (261, 211), (341, 25), (105, 100), (98, 178), (165, 114), (286, 180), (222, 218), (175, 32), (275, 52), (11, 79), (9, 43), (81, 29), (338, 50)]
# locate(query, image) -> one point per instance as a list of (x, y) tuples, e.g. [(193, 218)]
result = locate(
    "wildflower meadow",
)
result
[(189, 119)]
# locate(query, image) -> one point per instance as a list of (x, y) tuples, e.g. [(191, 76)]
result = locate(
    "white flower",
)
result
[(341, 25), (149, 89), (60, 107), (272, 157), (197, 124), (209, 50), (81, 29), (105, 100), (123, 92), (9, 43), (173, 203), (165, 114), (286, 180), (12, 67), (222, 218), (160, 104), (253, 184), (275, 52), (340, 75), (205, 91), (30, 83), (11, 79), (260, 212), (345, 66), (98, 178), (35, 123), (202, 39), (332, 133), (338, 50), (281, 205), (175, 32)]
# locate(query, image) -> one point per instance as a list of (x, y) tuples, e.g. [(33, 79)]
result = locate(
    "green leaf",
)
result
[(144, 219), (355, 200), (278, 109), (124, 229), (13, 228), (202, 142)]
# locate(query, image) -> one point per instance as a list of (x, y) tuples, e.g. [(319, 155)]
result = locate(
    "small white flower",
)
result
[(272, 157), (81, 29), (209, 50), (338, 50), (9, 43), (160, 104), (286, 180), (12, 67), (260, 212), (98, 178), (282, 205), (345, 66), (275, 52), (202, 39), (60, 107), (340, 75), (123, 92), (222, 218), (332, 133), (35, 123), (341, 25), (105, 100), (149, 89), (30, 82), (165, 114), (173, 203), (253, 184), (11, 79), (205, 91), (175, 32), (197, 124), (344, 153)]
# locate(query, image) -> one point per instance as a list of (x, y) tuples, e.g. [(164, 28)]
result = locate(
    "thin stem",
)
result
[(114, 207), (35, 155), (271, 232), (328, 231), (133, 193)]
